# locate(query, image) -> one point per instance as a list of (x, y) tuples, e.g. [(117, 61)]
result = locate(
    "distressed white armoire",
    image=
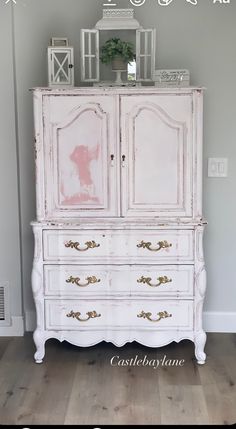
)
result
[(119, 228)]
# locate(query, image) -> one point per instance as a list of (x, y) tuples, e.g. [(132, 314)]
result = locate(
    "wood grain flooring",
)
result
[(79, 386)]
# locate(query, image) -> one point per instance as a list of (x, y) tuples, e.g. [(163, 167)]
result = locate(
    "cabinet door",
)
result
[(157, 140), (80, 140)]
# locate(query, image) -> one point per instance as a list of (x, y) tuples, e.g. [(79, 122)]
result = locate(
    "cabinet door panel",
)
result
[(80, 137), (157, 143)]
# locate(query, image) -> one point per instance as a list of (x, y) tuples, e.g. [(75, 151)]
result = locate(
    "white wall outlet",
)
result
[(217, 167)]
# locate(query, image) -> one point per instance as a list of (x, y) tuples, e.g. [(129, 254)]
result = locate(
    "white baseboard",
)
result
[(16, 329), (212, 321), (217, 321)]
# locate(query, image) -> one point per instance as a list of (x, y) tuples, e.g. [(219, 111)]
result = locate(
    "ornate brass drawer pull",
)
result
[(89, 281), (148, 245), (161, 281), (75, 245), (90, 315), (148, 316)]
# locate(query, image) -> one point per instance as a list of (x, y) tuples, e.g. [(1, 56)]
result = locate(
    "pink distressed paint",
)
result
[(82, 157), (79, 199)]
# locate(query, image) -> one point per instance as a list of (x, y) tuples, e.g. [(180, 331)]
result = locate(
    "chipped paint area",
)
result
[(79, 199), (79, 168), (82, 158)]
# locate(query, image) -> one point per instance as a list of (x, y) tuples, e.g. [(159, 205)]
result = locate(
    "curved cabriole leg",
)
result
[(200, 291), (200, 341), (39, 341), (38, 292)]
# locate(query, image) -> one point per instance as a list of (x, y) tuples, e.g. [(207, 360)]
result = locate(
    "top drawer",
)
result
[(144, 246)]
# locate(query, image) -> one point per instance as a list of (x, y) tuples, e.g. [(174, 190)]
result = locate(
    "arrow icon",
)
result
[(7, 1)]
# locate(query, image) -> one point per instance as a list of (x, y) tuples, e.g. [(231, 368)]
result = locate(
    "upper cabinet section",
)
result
[(80, 138), (112, 152), (157, 142)]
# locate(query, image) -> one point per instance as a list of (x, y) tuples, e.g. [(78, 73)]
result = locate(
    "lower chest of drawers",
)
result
[(129, 279), (119, 286)]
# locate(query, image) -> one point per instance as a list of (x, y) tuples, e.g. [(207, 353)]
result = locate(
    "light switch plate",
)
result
[(217, 167)]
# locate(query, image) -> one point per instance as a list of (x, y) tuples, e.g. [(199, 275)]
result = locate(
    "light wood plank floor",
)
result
[(79, 386)]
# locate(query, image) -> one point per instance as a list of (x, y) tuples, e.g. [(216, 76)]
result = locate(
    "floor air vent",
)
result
[(4, 305)]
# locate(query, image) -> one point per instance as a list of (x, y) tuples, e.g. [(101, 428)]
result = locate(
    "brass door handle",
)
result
[(75, 245), (148, 316), (89, 281), (148, 281), (90, 315), (148, 245)]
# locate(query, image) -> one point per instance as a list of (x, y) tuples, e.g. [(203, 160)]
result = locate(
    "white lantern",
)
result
[(60, 63), (118, 19)]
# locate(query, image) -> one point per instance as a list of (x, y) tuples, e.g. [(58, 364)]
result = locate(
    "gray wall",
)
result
[(200, 38), (10, 267)]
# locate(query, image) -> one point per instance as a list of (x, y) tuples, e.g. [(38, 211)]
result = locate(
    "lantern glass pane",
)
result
[(142, 67), (93, 43), (86, 43), (149, 67), (150, 43), (61, 67), (93, 67), (145, 67), (90, 43), (142, 44), (145, 43), (86, 60), (90, 67)]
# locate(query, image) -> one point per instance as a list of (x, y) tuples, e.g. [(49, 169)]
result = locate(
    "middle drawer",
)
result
[(119, 247), (110, 280)]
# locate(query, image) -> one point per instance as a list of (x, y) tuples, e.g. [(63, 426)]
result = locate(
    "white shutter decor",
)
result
[(90, 55), (146, 50)]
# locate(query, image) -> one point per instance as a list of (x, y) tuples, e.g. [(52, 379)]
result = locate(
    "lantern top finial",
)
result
[(118, 19)]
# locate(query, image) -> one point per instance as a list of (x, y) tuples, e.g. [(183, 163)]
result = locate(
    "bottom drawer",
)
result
[(75, 315)]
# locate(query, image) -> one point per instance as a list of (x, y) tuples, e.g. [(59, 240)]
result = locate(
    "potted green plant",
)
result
[(117, 52)]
